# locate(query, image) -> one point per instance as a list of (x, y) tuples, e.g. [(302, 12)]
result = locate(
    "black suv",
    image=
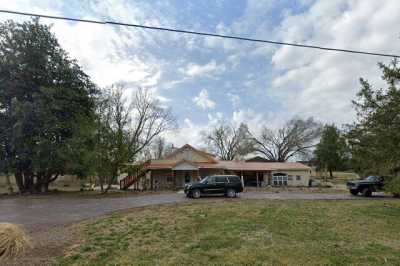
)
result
[(227, 185), (366, 186)]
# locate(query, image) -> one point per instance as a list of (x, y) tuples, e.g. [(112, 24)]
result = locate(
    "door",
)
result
[(220, 184), (211, 186), (188, 179)]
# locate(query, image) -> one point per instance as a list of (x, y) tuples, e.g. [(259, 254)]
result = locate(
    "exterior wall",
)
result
[(168, 179), (267, 179), (206, 172), (292, 177), (162, 179)]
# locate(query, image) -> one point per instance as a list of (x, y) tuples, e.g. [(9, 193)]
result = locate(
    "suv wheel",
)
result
[(231, 193), (354, 192), (366, 192), (196, 194)]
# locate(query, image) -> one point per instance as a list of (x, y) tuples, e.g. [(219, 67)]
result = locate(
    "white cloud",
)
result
[(108, 54), (234, 99), (322, 84), (203, 101), (210, 69)]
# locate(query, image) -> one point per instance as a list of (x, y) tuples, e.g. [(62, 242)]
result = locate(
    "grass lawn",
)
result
[(252, 232)]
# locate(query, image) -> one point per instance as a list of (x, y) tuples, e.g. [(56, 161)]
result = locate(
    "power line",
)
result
[(200, 33)]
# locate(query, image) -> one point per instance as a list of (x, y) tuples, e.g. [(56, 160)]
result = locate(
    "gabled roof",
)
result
[(213, 163), (207, 155), (261, 166), (184, 161)]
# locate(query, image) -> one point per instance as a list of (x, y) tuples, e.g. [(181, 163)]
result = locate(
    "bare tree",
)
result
[(229, 142), (150, 121), (295, 138), (159, 147), (127, 129)]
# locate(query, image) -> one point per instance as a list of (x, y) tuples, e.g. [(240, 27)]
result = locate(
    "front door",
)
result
[(188, 178)]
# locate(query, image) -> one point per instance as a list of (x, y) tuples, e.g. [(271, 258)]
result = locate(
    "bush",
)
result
[(13, 240), (394, 186)]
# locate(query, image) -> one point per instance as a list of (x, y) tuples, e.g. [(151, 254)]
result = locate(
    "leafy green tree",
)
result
[(331, 152), (375, 138), (46, 104)]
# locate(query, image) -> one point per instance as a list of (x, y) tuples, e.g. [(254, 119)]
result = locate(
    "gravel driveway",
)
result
[(39, 213)]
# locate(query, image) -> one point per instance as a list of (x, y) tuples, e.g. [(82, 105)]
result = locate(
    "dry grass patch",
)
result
[(252, 232), (13, 241)]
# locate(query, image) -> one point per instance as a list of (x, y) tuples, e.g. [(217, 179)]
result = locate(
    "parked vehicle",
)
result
[(228, 185), (366, 186)]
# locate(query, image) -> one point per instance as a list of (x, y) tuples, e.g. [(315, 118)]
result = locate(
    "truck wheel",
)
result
[(366, 192), (196, 194), (354, 192), (231, 193)]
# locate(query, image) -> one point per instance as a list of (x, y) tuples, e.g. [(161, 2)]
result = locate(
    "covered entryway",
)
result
[(185, 172)]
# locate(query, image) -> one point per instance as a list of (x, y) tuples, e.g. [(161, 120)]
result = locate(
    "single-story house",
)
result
[(188, 164)]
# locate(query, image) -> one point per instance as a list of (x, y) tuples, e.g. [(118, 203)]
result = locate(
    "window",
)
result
[(220, 179), (234, 179), (280, 179), (298, 178), (211, 179), (169, 178), (290, 178)]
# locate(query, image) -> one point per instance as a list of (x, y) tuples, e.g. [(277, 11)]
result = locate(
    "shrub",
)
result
[(13, 240), (394, 186)]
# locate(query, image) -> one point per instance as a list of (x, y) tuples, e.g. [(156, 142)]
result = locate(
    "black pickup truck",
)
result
[(366, 186)]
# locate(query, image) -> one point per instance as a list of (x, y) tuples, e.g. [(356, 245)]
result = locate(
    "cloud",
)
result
[(322, 84), (210, 69), (108, 54), (203, 101), (192, 133), (234, 99)]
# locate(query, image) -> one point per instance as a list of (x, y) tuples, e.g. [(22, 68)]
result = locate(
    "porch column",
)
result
[(151, 182), (241, 176), (257, 179)]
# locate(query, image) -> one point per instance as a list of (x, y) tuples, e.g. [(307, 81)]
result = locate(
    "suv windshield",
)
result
[(372, 178)]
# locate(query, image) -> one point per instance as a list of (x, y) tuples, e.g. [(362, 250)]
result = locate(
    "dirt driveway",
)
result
[(36, 213)]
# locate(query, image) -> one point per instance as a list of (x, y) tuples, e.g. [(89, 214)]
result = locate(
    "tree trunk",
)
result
[(10, 187), (330, 173), (28, 182), (101, 180)]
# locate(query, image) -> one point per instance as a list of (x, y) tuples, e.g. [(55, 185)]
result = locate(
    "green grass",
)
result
[(358, 232)]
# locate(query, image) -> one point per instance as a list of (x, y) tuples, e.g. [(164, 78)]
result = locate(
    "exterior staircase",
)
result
[(131, 179)]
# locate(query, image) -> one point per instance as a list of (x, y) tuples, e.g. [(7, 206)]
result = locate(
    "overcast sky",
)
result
[(205, 79)]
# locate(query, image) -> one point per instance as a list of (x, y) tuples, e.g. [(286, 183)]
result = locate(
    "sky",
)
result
[(205, 80)]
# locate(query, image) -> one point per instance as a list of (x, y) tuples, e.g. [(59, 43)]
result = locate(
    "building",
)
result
[(188, 164)]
